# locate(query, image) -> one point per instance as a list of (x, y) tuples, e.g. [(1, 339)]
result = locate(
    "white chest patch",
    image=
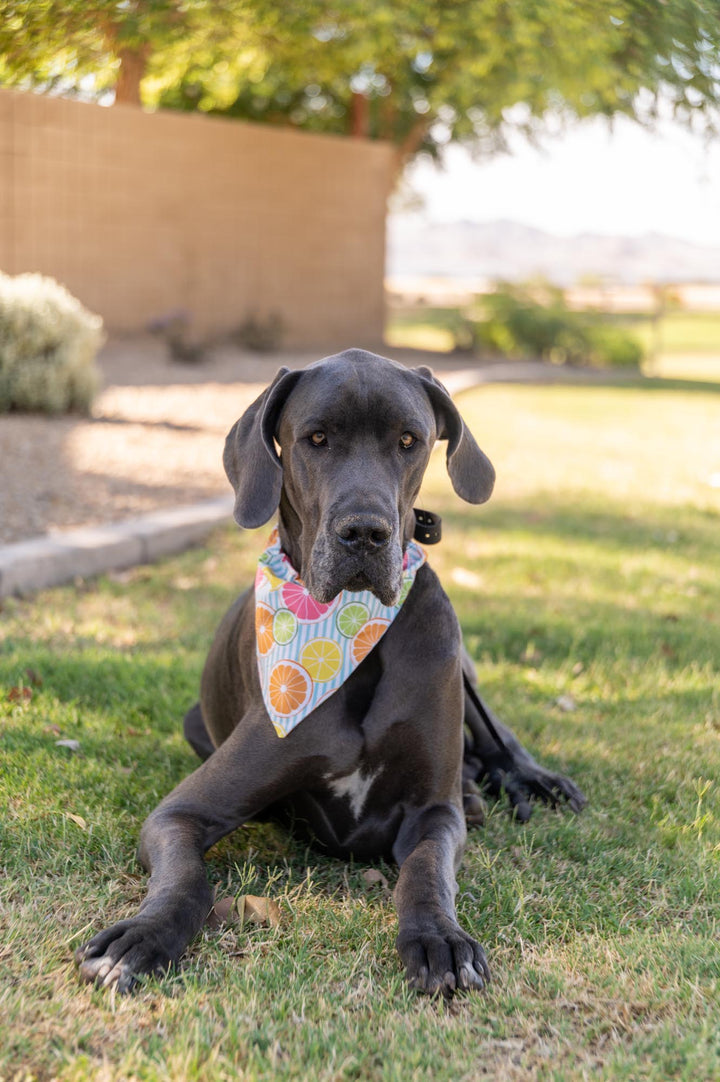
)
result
[(355, 787)]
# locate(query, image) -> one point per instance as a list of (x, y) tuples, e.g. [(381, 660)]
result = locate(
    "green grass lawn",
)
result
[(424, 327), (682, 332), (591, 576)]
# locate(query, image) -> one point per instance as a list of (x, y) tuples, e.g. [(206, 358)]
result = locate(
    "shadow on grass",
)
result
[(639, 528), (657, 383), (567, 630)]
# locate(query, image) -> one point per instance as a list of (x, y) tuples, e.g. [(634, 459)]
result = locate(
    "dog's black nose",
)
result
[(363, 534)]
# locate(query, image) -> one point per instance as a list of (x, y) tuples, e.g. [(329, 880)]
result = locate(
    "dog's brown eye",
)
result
[(318, 439), (407, 440)]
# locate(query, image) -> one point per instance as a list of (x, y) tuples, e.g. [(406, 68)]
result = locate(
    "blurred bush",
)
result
[(48, 344), (534, 321), (174, 328), (261, 334)]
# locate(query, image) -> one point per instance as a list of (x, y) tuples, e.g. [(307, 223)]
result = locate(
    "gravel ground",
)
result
[(154, 441)]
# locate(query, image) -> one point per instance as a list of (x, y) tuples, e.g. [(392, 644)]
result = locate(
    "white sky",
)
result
[(627, 181)]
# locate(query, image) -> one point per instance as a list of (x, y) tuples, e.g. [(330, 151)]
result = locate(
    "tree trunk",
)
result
[(133, 63), (360, 116)]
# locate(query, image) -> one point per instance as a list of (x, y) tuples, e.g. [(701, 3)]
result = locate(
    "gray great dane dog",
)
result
[(382, 767)]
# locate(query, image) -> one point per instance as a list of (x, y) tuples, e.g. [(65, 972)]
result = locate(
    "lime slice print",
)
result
[(351, 618), (284, 626), (406, 588), (322, 658)]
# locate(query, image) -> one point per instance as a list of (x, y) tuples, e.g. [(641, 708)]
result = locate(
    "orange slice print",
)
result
[(263, 628), (367, 637), (289, 688)]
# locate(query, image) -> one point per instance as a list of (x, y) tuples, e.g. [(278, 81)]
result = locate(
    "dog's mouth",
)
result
[(381, 574), (383, 592)]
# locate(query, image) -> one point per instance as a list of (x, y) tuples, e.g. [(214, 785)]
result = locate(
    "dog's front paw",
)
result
[(123, 953), (442, 959)]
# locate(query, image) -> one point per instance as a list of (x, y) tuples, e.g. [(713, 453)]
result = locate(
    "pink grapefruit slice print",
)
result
[(297, 598)]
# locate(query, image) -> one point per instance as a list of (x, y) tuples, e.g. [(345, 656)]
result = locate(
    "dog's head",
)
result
[(341, 447)]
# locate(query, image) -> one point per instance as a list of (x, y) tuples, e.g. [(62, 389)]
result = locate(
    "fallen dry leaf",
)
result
[(20, 695), (245, 909), (71, 745), (221, 913), (260, 911), (374, 878), (78, 819), (566, 703)]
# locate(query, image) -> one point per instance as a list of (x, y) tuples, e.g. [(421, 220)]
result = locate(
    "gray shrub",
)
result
[(48, 345)]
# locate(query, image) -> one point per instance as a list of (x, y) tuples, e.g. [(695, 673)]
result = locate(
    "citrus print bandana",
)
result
[(306, 650)]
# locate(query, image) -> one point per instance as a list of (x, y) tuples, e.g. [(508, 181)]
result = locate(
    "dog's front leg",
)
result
[(438, 955), (235, 783), (175, 907)]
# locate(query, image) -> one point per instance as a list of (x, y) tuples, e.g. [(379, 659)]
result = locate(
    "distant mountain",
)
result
[(513, 251)]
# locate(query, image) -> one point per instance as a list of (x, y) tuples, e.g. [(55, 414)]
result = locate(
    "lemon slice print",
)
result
[(273, 580), (284, 626), (351, 618), (322, 658)]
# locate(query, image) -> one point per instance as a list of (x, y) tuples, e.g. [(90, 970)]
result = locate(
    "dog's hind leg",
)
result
[(495, 758), (196, 734)]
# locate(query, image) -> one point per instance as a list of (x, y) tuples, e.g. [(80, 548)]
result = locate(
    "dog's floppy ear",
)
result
[(250, 459), (471, 471)]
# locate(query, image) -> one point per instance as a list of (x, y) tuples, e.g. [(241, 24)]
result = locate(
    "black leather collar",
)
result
[(428, 527)]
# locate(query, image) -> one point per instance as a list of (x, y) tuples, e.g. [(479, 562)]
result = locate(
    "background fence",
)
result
[(139, 214)]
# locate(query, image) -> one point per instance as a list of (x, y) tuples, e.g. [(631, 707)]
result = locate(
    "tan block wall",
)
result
[(139, 214)]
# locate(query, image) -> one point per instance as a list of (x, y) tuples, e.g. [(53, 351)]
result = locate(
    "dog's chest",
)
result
[(354, 788)]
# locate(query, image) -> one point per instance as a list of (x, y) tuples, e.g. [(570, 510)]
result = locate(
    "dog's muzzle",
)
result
[(357, 552)]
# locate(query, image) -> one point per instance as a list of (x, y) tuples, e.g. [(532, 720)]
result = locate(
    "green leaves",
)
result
[(426, 73)]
